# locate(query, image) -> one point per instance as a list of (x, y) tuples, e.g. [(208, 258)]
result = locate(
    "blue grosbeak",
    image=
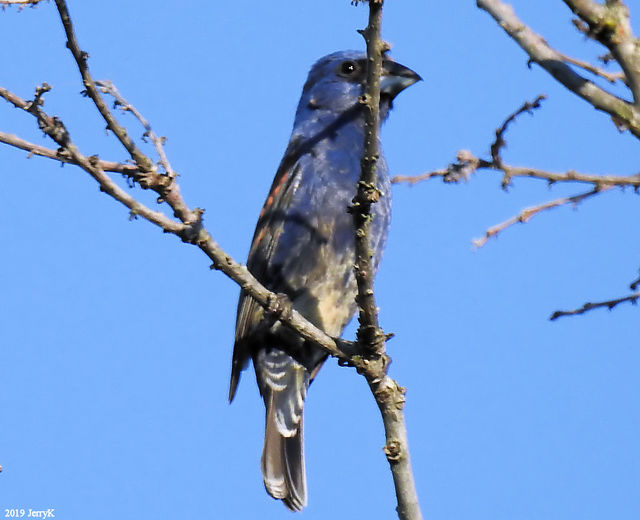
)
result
[(304, 247)]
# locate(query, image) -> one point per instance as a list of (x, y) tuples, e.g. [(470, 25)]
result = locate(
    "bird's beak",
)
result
[(395, 78)]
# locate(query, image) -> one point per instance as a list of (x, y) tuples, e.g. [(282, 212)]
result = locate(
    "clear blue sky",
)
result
[(115, 340)]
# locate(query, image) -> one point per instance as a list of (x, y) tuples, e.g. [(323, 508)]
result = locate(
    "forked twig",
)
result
[(108, 87), (467, 164)]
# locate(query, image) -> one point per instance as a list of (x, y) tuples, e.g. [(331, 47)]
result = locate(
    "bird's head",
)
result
[(336, 82)]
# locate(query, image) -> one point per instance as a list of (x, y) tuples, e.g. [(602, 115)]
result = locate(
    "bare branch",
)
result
[(526, 214), (62, 156), (467, 164), (498, 145), (609, 304), (158, 142), (21, 4), (191, 232), (610, 24), (611, 77), (163, 184), (81, 57), (625, 114), (388, 394), (369, 333)]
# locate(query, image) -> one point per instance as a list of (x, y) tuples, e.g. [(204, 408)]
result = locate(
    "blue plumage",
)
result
[(304, 247)]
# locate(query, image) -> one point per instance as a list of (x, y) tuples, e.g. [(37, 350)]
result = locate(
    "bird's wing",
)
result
[(265, 240)]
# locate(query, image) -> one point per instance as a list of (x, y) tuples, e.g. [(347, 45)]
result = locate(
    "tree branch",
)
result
[(611, 77), (61, 155), (191, 232), (467, 164), (610, 25), (626, 115), (526, 214), (388, 394), (20, 3), (158, 142), (609, 304), (369, 333)]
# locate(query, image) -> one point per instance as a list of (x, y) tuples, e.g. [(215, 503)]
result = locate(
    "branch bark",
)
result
[(388, 394), (589, 306), (528, 213), (625, 114), (61, 155), (610, 25)]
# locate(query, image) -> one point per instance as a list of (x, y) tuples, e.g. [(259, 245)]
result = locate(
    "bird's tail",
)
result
[(284, 387)]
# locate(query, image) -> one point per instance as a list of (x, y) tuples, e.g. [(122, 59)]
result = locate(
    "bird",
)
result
[(304, 247)]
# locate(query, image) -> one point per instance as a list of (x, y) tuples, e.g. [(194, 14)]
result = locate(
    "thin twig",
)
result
[(162, 184), (611, 77), (467, 163), (463, 168), (609, 304), (526, 214), (62, 156), (158, 142), (81, 58), (499, 143)]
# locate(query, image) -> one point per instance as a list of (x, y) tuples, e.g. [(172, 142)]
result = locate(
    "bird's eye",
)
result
[(348, 68)]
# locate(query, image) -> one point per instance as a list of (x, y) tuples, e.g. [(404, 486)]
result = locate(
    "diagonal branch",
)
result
[(624, 113), (528, 213), (611, 77), (194, 233), (610, 25), (609, 304), (81, 58)]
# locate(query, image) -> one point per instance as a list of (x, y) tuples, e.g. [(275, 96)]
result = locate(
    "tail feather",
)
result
[(284, 388), (283, 468)]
